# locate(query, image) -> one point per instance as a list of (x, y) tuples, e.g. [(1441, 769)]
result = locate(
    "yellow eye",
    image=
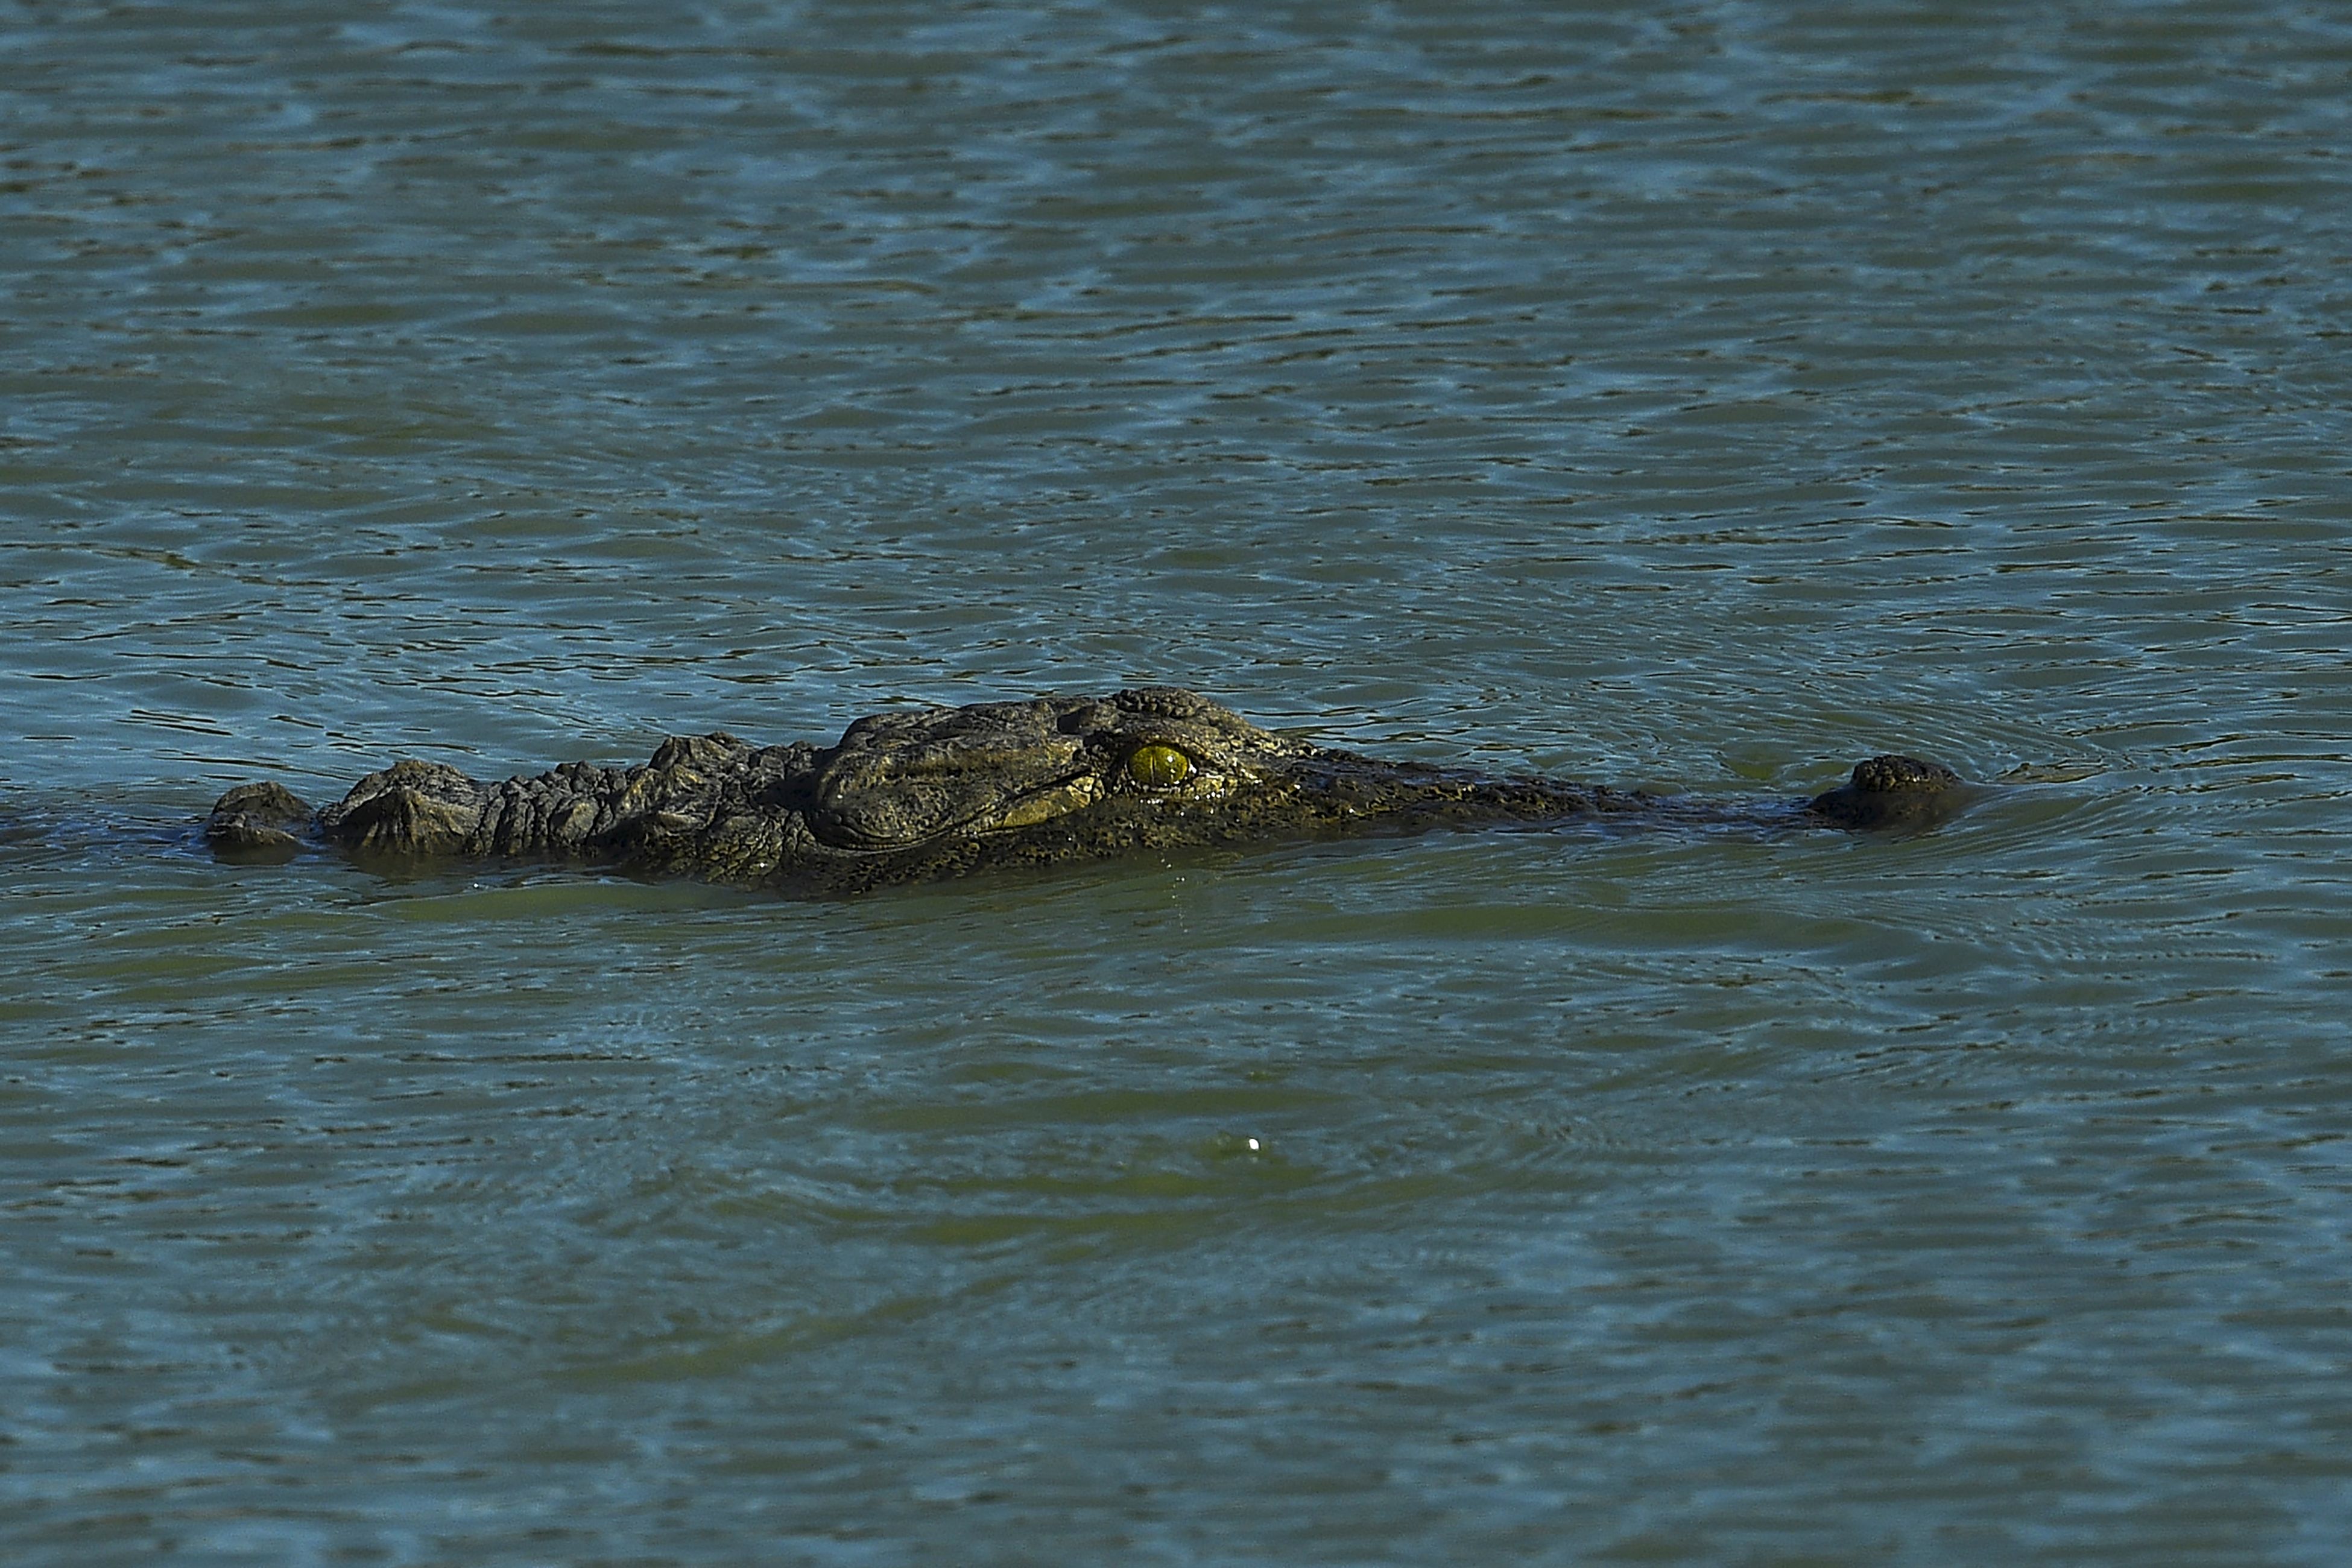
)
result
[(1158, 767)]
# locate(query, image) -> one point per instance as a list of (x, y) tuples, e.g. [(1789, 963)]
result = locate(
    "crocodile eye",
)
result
[(1157, 767)]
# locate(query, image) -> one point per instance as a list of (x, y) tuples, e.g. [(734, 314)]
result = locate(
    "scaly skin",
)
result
[(942, 792)]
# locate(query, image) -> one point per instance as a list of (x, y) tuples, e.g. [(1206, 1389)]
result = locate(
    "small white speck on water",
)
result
[(1252, 1144)]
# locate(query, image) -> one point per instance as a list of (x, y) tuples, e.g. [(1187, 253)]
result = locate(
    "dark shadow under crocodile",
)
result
[(928, 793)]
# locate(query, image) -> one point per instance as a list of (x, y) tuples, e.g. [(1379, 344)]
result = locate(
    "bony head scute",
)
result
[(1158, 766)]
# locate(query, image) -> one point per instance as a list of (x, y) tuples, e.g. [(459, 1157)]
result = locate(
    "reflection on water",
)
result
[(1698, 399)]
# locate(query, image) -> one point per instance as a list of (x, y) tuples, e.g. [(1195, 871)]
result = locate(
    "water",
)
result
[(1696, 396)]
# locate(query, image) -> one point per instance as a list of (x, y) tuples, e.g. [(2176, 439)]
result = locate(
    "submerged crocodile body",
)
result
[(939, 792)]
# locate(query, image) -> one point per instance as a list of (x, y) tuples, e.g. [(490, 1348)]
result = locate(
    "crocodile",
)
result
[(932, 793)]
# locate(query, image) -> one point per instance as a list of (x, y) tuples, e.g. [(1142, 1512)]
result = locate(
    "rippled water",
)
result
[(1697, 397)]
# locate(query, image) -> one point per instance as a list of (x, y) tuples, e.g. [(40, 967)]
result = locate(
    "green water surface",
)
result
[(1691, 395)]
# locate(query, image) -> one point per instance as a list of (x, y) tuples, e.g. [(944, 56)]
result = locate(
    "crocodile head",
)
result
[(941, 792), (898, 780)]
